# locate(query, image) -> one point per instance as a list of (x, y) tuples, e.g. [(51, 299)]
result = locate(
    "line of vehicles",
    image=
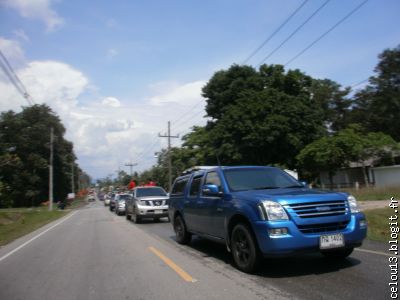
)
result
[(255, 211), (140, 203)]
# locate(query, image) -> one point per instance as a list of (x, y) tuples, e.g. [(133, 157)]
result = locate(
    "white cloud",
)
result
[(111, 102), (185, 94), (54, 83), (105, 131), (20, 34), (37, 9), (12, 50)]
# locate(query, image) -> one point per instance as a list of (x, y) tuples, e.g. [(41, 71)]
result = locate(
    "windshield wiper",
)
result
[(293, 186), (267, 188)]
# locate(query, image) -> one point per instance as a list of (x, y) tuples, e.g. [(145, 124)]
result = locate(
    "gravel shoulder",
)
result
[(365, 205)]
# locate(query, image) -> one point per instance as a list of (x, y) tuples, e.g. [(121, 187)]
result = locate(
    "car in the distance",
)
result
[(147, 202), (112, 201), (120, 203)]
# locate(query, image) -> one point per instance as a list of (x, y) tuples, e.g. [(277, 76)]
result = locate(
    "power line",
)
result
[(359, 83), (275, 32), (189, 110), (188, 118), (295, 31), (9, 71), (147, 150), (326, 32)]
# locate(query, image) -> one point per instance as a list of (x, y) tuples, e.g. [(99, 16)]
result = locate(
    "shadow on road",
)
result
[(299, 265)]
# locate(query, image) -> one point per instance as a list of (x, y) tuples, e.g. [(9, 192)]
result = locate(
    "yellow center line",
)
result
[(185, 276)]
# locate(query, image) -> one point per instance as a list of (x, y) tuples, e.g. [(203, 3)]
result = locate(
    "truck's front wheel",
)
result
[(244, 249)]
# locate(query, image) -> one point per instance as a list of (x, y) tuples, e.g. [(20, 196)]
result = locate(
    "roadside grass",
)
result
[(365, 194), (17, 222), (378, 223)]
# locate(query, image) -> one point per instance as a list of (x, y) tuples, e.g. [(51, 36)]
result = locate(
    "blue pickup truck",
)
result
[(263, 212)]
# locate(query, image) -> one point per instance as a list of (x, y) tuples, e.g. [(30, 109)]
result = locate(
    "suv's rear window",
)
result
[(149, 192), (179, 186)]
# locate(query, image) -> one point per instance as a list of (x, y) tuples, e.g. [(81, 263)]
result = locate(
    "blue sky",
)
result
[(117, 71)]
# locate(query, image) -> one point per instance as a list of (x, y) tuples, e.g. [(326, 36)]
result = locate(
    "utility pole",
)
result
[(51, 170), (72, 178), (169, 136), (131, 165)]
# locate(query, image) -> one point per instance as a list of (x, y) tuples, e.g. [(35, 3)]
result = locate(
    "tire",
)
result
[(183, 237), (136, 219), (244, 247), (127, 216), (157, 220), (337, 254)]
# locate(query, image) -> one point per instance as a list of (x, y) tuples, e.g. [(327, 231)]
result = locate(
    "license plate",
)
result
[(331, 241), (158, 211)]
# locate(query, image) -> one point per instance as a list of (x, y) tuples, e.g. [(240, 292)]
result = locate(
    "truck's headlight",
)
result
[(272, 211), (353, 204)]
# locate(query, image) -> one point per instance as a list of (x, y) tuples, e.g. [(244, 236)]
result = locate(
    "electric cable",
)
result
[(326, 33), (295, 31), (275, 32), (9, 71)]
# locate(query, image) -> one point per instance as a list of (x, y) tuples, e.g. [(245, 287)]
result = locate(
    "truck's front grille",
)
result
[(154, 202), (317, 209), (321, 228)]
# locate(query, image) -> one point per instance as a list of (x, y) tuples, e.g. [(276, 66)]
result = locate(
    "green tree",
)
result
[(25, 138), (334, 101), (263, 117), (352, 144), (377, 106)]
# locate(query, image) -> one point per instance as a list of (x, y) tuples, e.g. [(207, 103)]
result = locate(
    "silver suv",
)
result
[(147, 202)]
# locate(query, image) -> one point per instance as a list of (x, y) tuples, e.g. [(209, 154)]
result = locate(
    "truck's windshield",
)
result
[(260, 178), (150, 192)]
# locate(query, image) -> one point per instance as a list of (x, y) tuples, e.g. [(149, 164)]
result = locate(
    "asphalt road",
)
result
[(94, 254)]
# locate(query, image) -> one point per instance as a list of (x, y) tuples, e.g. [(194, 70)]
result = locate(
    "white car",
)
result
[(107, 199)]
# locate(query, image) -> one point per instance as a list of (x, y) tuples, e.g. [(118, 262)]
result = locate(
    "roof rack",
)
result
[(197, 168)]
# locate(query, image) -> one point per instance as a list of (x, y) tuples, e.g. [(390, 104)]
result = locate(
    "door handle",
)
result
[(220, 210)]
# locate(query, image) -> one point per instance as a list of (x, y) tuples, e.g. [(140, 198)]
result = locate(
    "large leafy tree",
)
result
[(24, 154), (262, 117), (334, 101), (377, 106)]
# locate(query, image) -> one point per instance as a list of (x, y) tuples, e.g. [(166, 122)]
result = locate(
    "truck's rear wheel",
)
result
[(182, 235)]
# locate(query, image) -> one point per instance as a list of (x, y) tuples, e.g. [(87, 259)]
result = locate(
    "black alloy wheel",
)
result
[(244, 249), (182, 235)]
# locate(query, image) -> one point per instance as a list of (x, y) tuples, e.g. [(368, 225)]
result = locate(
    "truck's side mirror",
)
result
[(304, 183), (211, 190)]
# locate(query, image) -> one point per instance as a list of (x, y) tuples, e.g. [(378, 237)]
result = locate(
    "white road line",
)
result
[(35, 237), (374, 252)]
